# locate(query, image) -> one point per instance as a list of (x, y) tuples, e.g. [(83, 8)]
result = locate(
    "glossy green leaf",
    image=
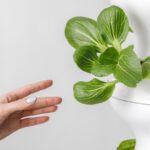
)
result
[(82, 31), (107, 63), (128, 69), (109, 56), (102, 70), (146, 68), (127, 145), (113, 23), (85, 57), (87, 60), (93, 92)]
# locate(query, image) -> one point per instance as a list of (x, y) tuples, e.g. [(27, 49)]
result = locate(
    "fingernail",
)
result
[(60, 100), (31, 100)]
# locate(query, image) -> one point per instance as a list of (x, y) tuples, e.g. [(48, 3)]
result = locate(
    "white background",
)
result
[(33, 48)]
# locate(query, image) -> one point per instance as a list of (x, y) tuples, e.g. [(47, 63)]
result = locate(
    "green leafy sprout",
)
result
[(99, 51)]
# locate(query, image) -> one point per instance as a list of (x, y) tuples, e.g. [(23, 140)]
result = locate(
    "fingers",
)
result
[(26, 90), (39, 111), (33, 121), (20, 105), (30, 104), (45, 102)]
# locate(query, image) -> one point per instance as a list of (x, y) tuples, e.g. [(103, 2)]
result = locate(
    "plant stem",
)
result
[(116, 45), (115, 81)]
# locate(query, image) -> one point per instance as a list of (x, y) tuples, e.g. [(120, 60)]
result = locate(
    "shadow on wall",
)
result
[(141, 35)]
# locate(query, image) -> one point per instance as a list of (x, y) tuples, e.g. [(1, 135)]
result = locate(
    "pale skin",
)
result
[(16, 113)]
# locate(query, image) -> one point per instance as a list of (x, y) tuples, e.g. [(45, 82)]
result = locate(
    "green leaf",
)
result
[(87, 60), (146, 68), (85, 57), (113, 23), (109, 56), (127, 145), (128, 69), (101, 70), (107, 63), (82, 31), (93, 92)]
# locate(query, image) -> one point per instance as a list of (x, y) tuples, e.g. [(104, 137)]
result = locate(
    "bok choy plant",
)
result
[(99, 51)]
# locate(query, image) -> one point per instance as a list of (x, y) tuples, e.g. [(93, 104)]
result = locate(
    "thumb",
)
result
[(20, 105)]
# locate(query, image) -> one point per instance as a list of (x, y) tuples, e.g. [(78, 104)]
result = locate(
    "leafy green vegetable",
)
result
[(113, 23), (128, 69), (146, 68), (127, 145), (98, 50), (93, 92), (101, 70), (110, 56), (82, 31), (107, 63), (87, 59)]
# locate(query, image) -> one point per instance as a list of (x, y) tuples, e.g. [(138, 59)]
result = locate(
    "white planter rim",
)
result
[(130, 101)]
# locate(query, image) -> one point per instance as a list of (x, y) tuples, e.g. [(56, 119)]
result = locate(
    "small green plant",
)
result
[(127, 145), (99, 50)]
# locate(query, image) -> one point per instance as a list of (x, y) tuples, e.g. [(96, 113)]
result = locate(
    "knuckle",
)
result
[(47, 103), (9, 97), (3, 113)]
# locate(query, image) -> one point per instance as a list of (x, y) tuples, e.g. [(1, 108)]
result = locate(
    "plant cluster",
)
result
[(99, 50)]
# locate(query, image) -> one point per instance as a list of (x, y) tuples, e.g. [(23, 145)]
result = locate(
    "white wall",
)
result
[(32, 48)]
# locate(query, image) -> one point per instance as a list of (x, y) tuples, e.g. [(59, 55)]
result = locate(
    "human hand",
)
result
[(16, 108)]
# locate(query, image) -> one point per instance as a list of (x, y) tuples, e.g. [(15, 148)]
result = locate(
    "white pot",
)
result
[(138, 118), (133, 104)]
